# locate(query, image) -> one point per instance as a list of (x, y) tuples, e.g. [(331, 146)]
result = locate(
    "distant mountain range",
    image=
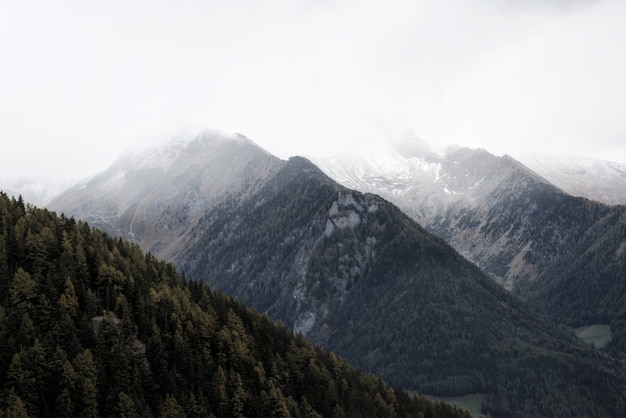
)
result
[(603, 181), (354, 273), (35, 192), (563, 255)]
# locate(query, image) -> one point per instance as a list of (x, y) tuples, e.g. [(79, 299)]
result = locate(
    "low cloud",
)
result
[(309, 76)]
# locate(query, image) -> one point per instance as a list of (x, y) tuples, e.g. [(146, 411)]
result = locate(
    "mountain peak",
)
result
[(181, 139), (409, 145), (161, 152), (153, 194)]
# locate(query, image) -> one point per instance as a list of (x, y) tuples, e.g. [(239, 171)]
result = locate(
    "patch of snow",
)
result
[(352, 220), (334, 210), (330, 228), (305, 323), (116, 181), (347, 199)]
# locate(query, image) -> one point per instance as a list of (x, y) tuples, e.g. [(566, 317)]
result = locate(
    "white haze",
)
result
[(81, 80)]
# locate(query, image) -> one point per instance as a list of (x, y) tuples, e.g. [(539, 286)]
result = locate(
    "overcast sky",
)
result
[(81, 80)]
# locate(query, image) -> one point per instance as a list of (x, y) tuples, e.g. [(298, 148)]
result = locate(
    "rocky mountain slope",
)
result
[(565, 253), (155, 196), (476, 201), (352, 272)]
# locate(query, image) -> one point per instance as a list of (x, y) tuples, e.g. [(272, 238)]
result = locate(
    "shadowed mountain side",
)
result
[(587, 284), (354, 273), (479, 203), (564, 255)]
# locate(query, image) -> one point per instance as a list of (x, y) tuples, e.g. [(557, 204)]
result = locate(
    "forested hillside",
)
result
[(586, 285), (357, 276), (354, 273), (91, 326)]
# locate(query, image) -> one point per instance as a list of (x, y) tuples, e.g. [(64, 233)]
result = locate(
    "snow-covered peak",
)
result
[(180, 140), (409, 145), (162, 151), (36, 193), (600, 180)]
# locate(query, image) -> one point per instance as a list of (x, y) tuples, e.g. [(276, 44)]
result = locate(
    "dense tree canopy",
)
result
[(91, 326)]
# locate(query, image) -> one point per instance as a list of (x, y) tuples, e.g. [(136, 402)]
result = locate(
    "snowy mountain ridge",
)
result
[(600, 180), (398, 168), (494, 210), (162, 152)]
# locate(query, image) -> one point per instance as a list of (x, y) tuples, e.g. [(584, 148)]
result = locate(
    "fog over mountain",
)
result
[(36, 193), (154, 195), (308, 76), (601, 180)]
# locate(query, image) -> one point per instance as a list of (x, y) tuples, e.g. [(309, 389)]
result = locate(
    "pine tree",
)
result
[(16, 408), (126, 407), (65, 403), (22, 291), (86, 386), (171, 408)]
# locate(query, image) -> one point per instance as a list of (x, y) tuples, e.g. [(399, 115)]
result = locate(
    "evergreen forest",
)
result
[(90, 326)]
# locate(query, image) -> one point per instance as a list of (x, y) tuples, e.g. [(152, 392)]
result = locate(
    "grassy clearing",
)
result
[(599, 335), (470, 403)]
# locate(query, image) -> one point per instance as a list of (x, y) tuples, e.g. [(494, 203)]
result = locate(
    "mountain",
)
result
[(603, 181), (476, 201), (585, 285), (92, 326), (154, 196), (564, 255), (352, 272), (35, 193)]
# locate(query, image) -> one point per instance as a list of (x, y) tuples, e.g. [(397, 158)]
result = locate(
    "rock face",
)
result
[(156, 196), (481, 204)]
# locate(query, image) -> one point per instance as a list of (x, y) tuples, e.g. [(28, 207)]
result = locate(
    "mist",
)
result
[(81, 81)]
